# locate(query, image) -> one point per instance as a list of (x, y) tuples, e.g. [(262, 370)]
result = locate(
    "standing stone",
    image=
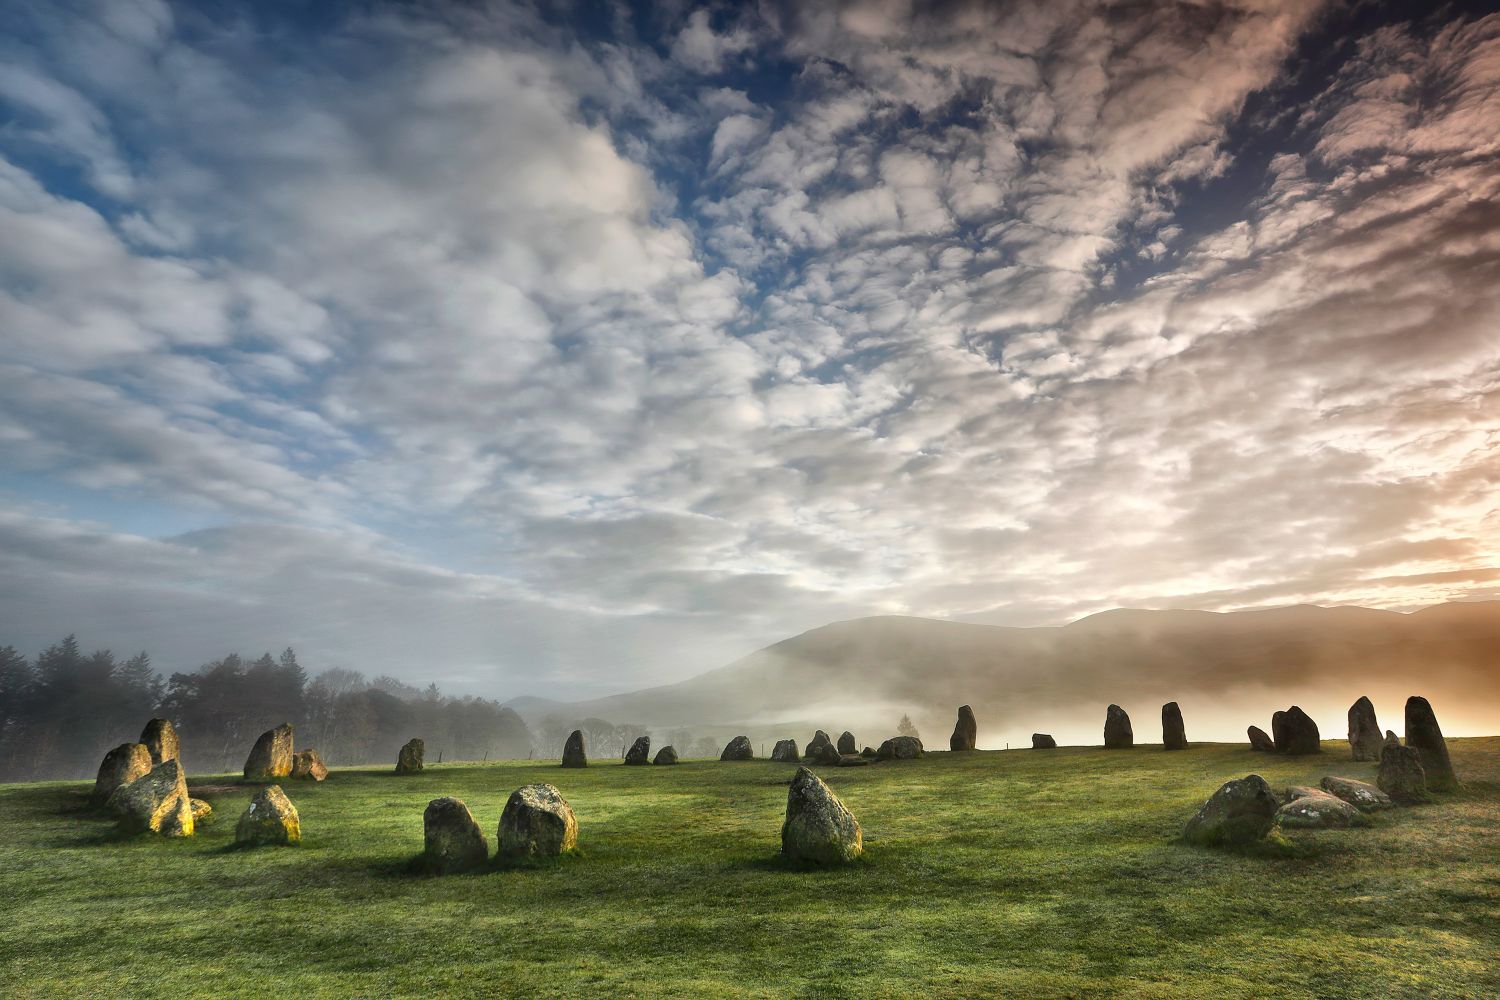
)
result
[(537, 822), (269, 819), (1240, 812), (900, 748), (1260, 741), (271, 756), (308, 764), (1043, 741), (738, 748), (847, 745), (122, 765), (1364, 732), (409, 760), (965, 731), (818, 827), (1401, 775), (161, 739), (666, 755), (1362, 795), (1117, 732), (1173, 735), (815, 746), (1299, 734), (156, 802), (573, 755), (1424, 736), (639, 752), (785, 752), (1278, 730), (452, 841)]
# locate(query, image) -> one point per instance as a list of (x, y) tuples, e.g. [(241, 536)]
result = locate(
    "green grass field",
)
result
[(1020, 873)]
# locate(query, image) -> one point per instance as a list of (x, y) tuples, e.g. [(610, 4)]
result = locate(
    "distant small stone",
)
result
[(1173, 735), (1424, 736), (1364, 732), (1299, 734), (639, 752), (271, 757), (1240, 812), (666, 755), (815, 746), (309, 764), (965, 731), (1401, 775), (1312, 808), (537, 822), (852, 760), (1363, 796), (452, 840), (1043, 741), (1117, 732), (161, 740), (1391, 739), (122, 765), (823, 753), (201, 810), (818, 827), (409, 760), (573, 755), (269, 820), (156, 802), (847, 744), (738, 748), (785, 752), (869, 752), (900, 748), (1260, 741)]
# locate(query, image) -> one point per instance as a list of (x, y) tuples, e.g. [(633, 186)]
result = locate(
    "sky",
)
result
[(563, 349)]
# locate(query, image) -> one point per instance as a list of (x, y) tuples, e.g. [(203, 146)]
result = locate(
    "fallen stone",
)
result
[(900, 748), (785, 752), (269, 820), (309, 764), (1299, 734), (816, 745), (537, 822), (1173, 735), (738, 748), (666, 755), (853, 760), (1401, 775), (639, 752), (1260, 741), (156, 802), (1312, 808), (410, 759), (965, 731), (161, 739), (573, 755), (1117, 732), (1424, 736), (271, 757), (1361, 795), (869, 752), (451, 840), (1240, 812), (818, 827), (122, 765), (847, 744), (201, 811), (1365, 740)]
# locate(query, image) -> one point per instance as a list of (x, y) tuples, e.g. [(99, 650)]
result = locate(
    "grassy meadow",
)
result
[(995, 874)]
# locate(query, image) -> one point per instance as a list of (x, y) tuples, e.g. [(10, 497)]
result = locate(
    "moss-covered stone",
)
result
[(785, 752), (269, 819), (1425, 737), (1311, 808), (452, 840), (308, 764), (537, 822), (818, 827), (411, 758), (900, 748), (666, 755), (156, 802), (1401, 775), (1361, 795), (160, 737), (122, 765), (738, 748), (201, 811), (1240, 812), (271, 757), (639, 752), (573, 754)]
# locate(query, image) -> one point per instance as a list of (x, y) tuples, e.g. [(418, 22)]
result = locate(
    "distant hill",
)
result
[(1226, 669)]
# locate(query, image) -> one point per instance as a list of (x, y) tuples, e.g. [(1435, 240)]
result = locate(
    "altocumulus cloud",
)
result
[(525, 347)]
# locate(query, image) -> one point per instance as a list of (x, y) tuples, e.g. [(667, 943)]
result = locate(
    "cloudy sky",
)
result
[(564, 349)]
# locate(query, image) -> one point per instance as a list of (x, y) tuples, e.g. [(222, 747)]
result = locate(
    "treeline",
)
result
[(61, 712)]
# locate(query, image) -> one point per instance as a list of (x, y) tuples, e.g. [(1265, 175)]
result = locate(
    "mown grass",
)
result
[(1019, 873)]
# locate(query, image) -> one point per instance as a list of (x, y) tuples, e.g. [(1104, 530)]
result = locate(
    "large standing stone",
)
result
[(1313, 808), (410, 759), (156, 802), (639, 752), (271, 757), (1362, 795), (1299, 733), (122, 765), (161, 739), (1401, 775), (738, 748), (818, 827), (1364, 732), (269, 819), (1173, 734), (785, 752), (573, 755), (900, 748), (452, 840), (309, 764), (537, 822), (815, 746), (1278, 729), (1424, 736), (1117, 732), (965, 730), (1260, 741), (847, 745), (1241, 811), (666, 755), (1043, 741)]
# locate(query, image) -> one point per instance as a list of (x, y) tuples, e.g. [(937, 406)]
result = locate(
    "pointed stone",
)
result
[(815, 746), (537, 822), (161, 739), (1117, 732), (412, 757), (1365, 740), (818, 827), (965, 731), (1278, 730), (1424, 736), (1299, 733), (271, 757), (122, 765), (1391, 740), (738, 748), (573, 755), (1173, 734), (847, 745), (269, 820), (1260, 741), (639, 752), (451, 840)]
